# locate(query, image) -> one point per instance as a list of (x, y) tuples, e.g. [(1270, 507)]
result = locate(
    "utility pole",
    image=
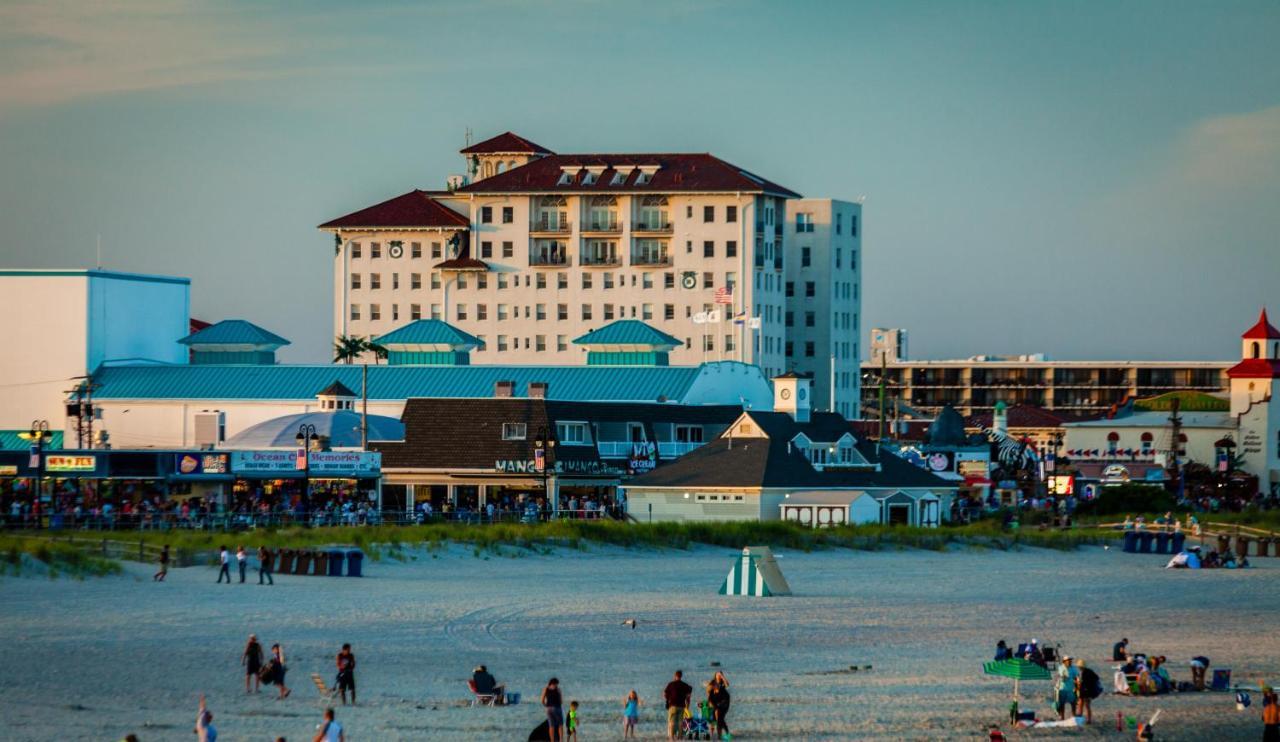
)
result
[(1175, 425), (883, 372), (364, 407)]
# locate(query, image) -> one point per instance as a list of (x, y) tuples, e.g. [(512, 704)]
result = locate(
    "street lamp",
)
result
[(544, 444), (38, 434), (306, 436)]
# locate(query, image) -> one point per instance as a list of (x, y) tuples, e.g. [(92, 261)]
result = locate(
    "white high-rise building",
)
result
[(532, 249)]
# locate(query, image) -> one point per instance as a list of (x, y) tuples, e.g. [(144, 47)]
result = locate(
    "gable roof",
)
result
[(700, 172), (1261, 330), (628, 332), (233, 332), (506, 143), (336, 389), (428, 332), (415, 209)]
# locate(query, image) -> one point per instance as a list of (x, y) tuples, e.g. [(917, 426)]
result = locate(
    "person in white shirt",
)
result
[(242, 561), (224, 558), (330, 730)]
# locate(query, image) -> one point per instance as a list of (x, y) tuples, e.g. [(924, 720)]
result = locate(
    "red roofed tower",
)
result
[(495, 155), (1255, 402)]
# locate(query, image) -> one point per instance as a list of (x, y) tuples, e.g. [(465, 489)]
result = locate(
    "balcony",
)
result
[(666, 449), (651, 226), (650, 260), (549, 260), (602, 226), (550, 226), (600, 260), (675, 449)]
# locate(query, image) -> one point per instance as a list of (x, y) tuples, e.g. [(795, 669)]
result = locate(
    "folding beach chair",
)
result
[(481, 699), (325, 691)]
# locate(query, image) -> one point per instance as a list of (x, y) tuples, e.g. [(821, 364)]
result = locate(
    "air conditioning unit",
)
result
[(211, 428)]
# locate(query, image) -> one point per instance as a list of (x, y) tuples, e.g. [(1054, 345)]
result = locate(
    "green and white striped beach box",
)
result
[(755, 573)]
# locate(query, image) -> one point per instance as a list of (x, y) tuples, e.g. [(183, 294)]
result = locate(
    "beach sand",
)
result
[(100, 658)]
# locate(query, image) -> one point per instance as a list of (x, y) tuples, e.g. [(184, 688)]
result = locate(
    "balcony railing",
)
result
[(556, 260), (666, 449), (605, 226), (652, 226), (547, 226), (650, 258), (610, 259), (672, 449)]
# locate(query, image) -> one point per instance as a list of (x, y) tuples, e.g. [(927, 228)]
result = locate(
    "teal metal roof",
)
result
[(428, 332), (234, 332), (10, 441), (628, 332), (229, 382)]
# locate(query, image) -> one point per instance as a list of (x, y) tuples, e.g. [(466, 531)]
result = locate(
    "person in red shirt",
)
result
[(676, 694), (347, 674)]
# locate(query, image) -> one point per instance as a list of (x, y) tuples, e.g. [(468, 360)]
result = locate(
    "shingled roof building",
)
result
[(532, 248)]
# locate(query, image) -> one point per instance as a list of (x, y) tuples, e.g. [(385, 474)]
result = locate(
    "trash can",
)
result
[(1130, 541), (303, 565), (1242, 546), (1264, 546), (1162, 543), (286, 561), (1224, 543), (320, 563), (1144, 542), (354, 558), (336, 557), (1178, 540)]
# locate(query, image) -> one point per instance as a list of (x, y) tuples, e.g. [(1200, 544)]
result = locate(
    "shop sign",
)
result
[(643, 458), (530, 466), (200, 463), (938, 461), (345, 463), (1062, 485), (70, 463), (972, 468), (262, 462), (1251, 443), (8, 470)]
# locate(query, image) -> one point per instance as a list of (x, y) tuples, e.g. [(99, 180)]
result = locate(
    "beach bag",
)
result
[(1243, 701), (1090, 684), (267, 674)]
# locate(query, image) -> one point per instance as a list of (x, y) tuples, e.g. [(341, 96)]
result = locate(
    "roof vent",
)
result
[(537, 390), (504, 388)]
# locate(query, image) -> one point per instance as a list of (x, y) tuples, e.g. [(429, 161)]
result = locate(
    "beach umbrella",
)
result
[(1017, 668)]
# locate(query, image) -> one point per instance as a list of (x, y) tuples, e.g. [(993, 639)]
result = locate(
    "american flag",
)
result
[(724, 295)]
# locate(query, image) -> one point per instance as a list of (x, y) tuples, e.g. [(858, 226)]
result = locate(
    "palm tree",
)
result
[(378, 351), (348, 348)]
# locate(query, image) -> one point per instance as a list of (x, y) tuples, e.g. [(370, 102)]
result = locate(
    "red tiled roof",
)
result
[(413, 209), (506, 143), (1263, 330), (463, 263), (1255, 368), (676, 173), (1021, 416)]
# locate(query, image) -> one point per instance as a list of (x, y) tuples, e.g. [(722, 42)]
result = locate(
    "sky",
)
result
[(1083, 179)]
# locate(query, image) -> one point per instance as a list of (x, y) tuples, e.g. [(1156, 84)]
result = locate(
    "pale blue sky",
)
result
[(1086, 179)]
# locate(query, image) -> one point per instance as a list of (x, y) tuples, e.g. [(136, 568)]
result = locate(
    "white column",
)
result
[(409, 495)]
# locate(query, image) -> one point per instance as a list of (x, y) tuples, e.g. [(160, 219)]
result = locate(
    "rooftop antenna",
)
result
[(468, 136), (99, 252)]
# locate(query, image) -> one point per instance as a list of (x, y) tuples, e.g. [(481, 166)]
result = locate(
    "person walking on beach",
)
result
[(347, 674), (164, 565), (252, 661), (1270, 715), (242, 561), (264, 565), (676, 695), (1088, 687), (329, 730), (718, 698), (278, 669), (205, 730), (630, 714), (224, 558), (554, 705)]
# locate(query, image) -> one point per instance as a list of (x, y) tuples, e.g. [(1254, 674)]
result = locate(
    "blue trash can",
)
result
[(354, 558), (1144, 542), (1162, 543), (335, 562), (1130, 541), (1178, 540)]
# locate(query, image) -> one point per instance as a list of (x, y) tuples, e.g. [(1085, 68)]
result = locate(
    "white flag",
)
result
[(713, 315), (700, 318), (754, 323)]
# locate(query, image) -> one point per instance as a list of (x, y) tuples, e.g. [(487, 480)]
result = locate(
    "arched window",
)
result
[(1257, 351), (487, 169), (1113, 441), (653, 213), (602, 213), (552, 216), (502, 167), (1147, 441)]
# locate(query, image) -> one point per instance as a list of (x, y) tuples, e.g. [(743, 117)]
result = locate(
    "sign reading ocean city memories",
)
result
[(322, 462), (70, 463)]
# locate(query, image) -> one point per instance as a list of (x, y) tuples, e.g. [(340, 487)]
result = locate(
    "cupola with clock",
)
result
[(791, 394)]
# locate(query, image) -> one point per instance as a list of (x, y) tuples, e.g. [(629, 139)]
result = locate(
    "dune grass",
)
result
[(55, 558)]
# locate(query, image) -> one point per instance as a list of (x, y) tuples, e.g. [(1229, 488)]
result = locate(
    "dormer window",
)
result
[(619, 177), (646, 174), (567, 175), (589, 178)]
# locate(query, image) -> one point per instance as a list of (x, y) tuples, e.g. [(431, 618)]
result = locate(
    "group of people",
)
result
[(259, 670), (1148, 675), (677, 699), (265, 558), (328, 730)]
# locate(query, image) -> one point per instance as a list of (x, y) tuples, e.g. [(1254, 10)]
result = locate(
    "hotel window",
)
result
[(486, 249), (502, 343), (435, 311), (415, 249), (462, 280), (435, 280), (790, 288), (808, 288), (646, 280), (586, 312), (355, 311), (502, 280), (731, 249), (708, 213), (731, 213), (482, 280), (806, 257), (668, 280), (668, 311), (355, 249), (482, 311), (688, 212), (608, 312), (540, 281), (540, 312), (375, 250), (375, 312), (415, 281), (808, 319), (688, 247), (486, 214), (562, 343), (395, 312), (395, 281), (731, 281), (462, 311), (804, 222), (586, 280), (502, 312), (540, 343), (790, 319), (839, 251), (708, 279), (853, 225), (508, 249), (435, 250), (608, 280), (562, 280), (646, 311), (562, 312), (808, 349), (508, 215), (355, 280), (513, 431), (375, 280), (708, 249), (728, 343), (415, 312), (709, 343), (791, 350), (839, 223)]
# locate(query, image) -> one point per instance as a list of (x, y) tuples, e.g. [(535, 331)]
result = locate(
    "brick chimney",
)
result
[(537, 390), (504, 388)]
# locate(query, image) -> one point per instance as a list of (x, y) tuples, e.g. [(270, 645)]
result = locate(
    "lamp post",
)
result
[(306, 435), (38, 434), (543, 445)]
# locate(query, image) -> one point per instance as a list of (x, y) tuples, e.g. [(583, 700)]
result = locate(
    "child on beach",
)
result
[(164, 565), (571, 723), (630, 715)]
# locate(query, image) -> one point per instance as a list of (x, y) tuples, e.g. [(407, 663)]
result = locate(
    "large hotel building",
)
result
[(532, 249)]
